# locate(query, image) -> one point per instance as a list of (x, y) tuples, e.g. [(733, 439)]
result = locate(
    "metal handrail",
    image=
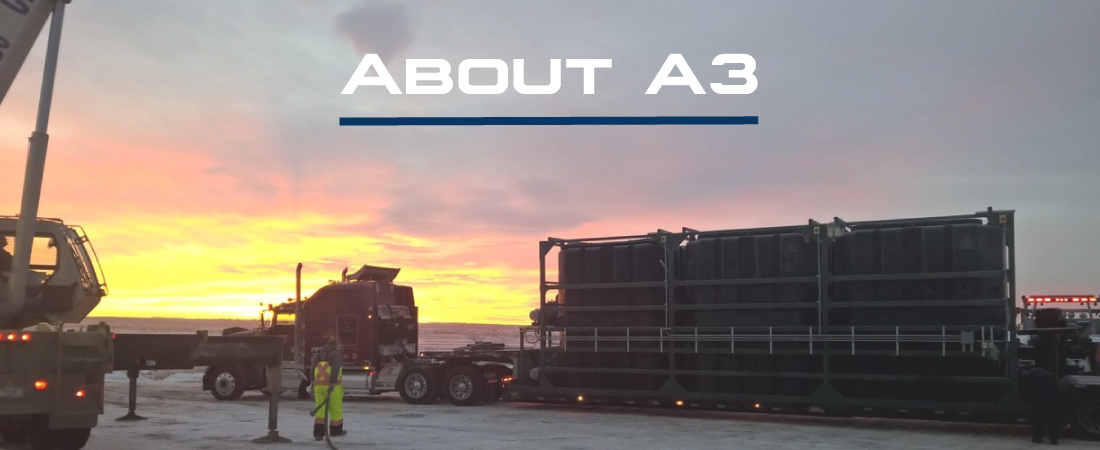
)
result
[(562, 336)]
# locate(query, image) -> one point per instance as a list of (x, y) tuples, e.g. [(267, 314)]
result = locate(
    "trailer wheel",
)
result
[(418, 385), (464, 386), (228, 384), (1086, 418)]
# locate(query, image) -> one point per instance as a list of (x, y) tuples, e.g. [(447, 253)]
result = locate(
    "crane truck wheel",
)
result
[(11, 433), (464, 386), (418, 385), (228, 383), (42, 438), (1086, 418)]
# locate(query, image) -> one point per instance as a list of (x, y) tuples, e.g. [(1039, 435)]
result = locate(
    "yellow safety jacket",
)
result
[(322, 375)]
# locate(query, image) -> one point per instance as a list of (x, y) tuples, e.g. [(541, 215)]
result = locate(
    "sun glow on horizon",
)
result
[(233, 266)]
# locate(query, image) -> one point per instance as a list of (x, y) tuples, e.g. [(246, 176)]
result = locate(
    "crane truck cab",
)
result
[(65, 281), (51, 385)]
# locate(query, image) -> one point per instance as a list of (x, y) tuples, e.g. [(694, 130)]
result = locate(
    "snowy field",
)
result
[(182, 416)]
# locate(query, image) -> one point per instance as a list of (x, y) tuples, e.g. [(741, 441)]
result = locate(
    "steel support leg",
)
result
[(274, 387), (131, 416)]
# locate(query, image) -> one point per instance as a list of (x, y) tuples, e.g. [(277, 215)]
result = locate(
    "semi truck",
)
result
[(376, 323)]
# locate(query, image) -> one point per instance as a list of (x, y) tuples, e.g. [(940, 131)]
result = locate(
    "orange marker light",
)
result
[(40, 385), (26, 337), (580, 398), (757, 406), (80, 393), (11, 336), (679, 403)]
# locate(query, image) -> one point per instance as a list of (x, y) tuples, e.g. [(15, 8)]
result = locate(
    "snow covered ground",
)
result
[(182, 416)]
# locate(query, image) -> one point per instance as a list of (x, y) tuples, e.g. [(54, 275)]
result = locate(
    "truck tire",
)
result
[(43, 438), (1085, 418), (227, 383), (12, 434), (464, 386), (418, 385)]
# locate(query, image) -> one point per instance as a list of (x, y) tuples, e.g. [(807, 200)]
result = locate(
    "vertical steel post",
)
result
[(32, 180), (275, 384), (299, 346), (131, 415), (274, 369)]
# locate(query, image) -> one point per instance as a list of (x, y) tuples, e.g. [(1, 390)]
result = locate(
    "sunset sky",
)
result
[(198, 141)]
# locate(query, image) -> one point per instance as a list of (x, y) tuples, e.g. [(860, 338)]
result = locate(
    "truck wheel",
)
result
[(12, 434), (228, 384), (43, 438), (1086, 418), (464, 386), (418, 385), (71, 439)]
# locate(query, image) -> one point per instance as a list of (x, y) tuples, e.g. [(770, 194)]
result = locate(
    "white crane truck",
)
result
[(51, 381)]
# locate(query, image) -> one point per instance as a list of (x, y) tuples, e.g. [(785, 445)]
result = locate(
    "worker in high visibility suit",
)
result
[(328, 375)]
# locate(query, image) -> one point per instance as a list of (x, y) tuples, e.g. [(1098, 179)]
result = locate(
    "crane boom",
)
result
[(26, 17), (21, 22)]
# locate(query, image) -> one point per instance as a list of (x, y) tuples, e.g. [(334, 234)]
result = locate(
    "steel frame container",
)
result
[(867, 318)]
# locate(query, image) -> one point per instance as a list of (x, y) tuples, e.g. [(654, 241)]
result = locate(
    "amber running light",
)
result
[(1061, 299)]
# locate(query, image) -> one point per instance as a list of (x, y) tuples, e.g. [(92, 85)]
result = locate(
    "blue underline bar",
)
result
[(560, 120)]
